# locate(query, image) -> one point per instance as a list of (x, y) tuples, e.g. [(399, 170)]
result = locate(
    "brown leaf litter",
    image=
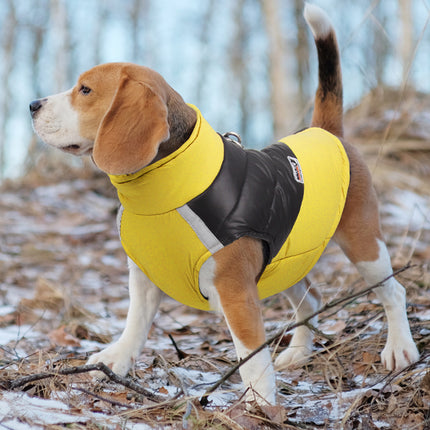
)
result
[(63, 295)]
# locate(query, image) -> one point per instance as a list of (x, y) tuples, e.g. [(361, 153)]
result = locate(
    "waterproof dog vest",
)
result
[(182, 209)]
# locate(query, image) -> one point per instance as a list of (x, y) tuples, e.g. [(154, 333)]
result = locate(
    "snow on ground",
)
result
[(63, 295)]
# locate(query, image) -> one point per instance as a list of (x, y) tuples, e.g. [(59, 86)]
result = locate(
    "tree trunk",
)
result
[(8, 60), (406, 37), (282, 78), (239, 68), (60, 29)]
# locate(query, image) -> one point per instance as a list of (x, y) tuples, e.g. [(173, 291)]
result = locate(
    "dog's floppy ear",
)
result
[(132, 129)]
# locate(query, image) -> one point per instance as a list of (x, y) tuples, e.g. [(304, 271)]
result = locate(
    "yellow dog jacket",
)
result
[(185, 207)]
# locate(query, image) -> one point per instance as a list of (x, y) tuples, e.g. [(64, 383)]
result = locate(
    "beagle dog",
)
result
[(217, 226)]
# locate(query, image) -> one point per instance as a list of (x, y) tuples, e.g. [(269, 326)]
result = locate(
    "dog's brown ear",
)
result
[(132, 129)]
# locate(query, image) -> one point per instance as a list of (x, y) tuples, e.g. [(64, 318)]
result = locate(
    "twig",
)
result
[(316, 330), (330, 305), (101, 367), (181, 354), (104, 399)]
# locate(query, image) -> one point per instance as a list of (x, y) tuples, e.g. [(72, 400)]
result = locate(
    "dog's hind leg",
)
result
[(360, 238), (145, 298), (400, 350), (305, 300)]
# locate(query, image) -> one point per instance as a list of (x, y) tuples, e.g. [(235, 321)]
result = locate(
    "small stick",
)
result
[(344, 301), (181, 354), (104, 399), (126, 382)]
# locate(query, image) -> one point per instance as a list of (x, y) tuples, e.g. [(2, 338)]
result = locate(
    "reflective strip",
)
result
[(118, 219), (208, 239)]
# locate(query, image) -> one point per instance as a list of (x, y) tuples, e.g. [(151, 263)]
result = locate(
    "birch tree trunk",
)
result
[(102, 13), (378, 54), (239, 68), (60, 29), (205, 59), (61, 55), (38, 35), (406, 37), (7, 59), (283, 100), (302, 58)]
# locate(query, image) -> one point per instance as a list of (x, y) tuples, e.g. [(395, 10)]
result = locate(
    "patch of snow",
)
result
[(138, 426), (392, 115), (381, 424), (109, 260), (38, 411), (423, 315), (408, 210), (15, 333), (4, 310), (199, 382), (15, 424)]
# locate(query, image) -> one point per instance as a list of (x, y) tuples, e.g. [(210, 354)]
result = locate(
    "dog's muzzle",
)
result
[(35, 106)]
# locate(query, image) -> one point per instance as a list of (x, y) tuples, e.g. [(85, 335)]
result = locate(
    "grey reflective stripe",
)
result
[(118, 219), (208, 239)]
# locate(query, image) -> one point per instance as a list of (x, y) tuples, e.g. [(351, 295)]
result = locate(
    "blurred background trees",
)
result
[(249, 65)]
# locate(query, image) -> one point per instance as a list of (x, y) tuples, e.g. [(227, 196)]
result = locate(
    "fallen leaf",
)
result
[(275, 413), (61, 338), (163, 390), (332, 327), (363, 366), (392, 404), (425, 382)]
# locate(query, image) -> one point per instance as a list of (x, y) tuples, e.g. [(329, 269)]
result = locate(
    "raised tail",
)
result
[(328, 109)]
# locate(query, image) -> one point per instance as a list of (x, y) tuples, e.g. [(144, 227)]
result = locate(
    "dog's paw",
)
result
[(116, 357), (397, 355), (298, 352), (293, 357)]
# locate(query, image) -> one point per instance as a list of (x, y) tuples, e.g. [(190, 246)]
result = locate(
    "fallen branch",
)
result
[(342, 301), (102, 398), (101, 367)]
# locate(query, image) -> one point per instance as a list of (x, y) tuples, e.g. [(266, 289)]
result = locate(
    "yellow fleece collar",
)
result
[(176, 179)]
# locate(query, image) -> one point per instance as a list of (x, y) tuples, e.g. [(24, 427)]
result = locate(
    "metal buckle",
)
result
[(234, 137)]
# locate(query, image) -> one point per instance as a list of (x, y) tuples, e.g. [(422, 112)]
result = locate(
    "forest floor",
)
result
[(63, 295)]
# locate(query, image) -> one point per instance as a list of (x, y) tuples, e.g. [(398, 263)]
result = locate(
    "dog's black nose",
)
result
[(35, 105)]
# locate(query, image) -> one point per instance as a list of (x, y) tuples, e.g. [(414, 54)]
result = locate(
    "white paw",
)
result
[(116, 357), (259, 378), (298, 352), (399, 353), (292, 357)]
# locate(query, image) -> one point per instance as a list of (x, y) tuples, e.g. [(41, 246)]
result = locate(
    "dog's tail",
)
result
[(328, 109)]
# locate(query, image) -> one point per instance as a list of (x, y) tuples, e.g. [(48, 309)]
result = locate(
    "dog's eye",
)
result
[(84, 90)]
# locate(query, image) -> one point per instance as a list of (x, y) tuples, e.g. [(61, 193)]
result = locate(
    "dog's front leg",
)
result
[(145, 298), (229, 279), (306, 300)]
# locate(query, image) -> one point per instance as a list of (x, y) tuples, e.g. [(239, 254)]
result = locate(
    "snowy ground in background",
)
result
[(63, 295)]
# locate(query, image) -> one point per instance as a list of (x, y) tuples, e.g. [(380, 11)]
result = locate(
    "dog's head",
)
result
[(117, 112)]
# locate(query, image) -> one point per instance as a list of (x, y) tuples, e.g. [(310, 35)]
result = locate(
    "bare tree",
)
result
[(8, 38), (283, 99), (239, 68), (38, 30), (205, 59), (135, 17), (61, 40), (301, 56), (406, 37), (380, 43), (102, 13)]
